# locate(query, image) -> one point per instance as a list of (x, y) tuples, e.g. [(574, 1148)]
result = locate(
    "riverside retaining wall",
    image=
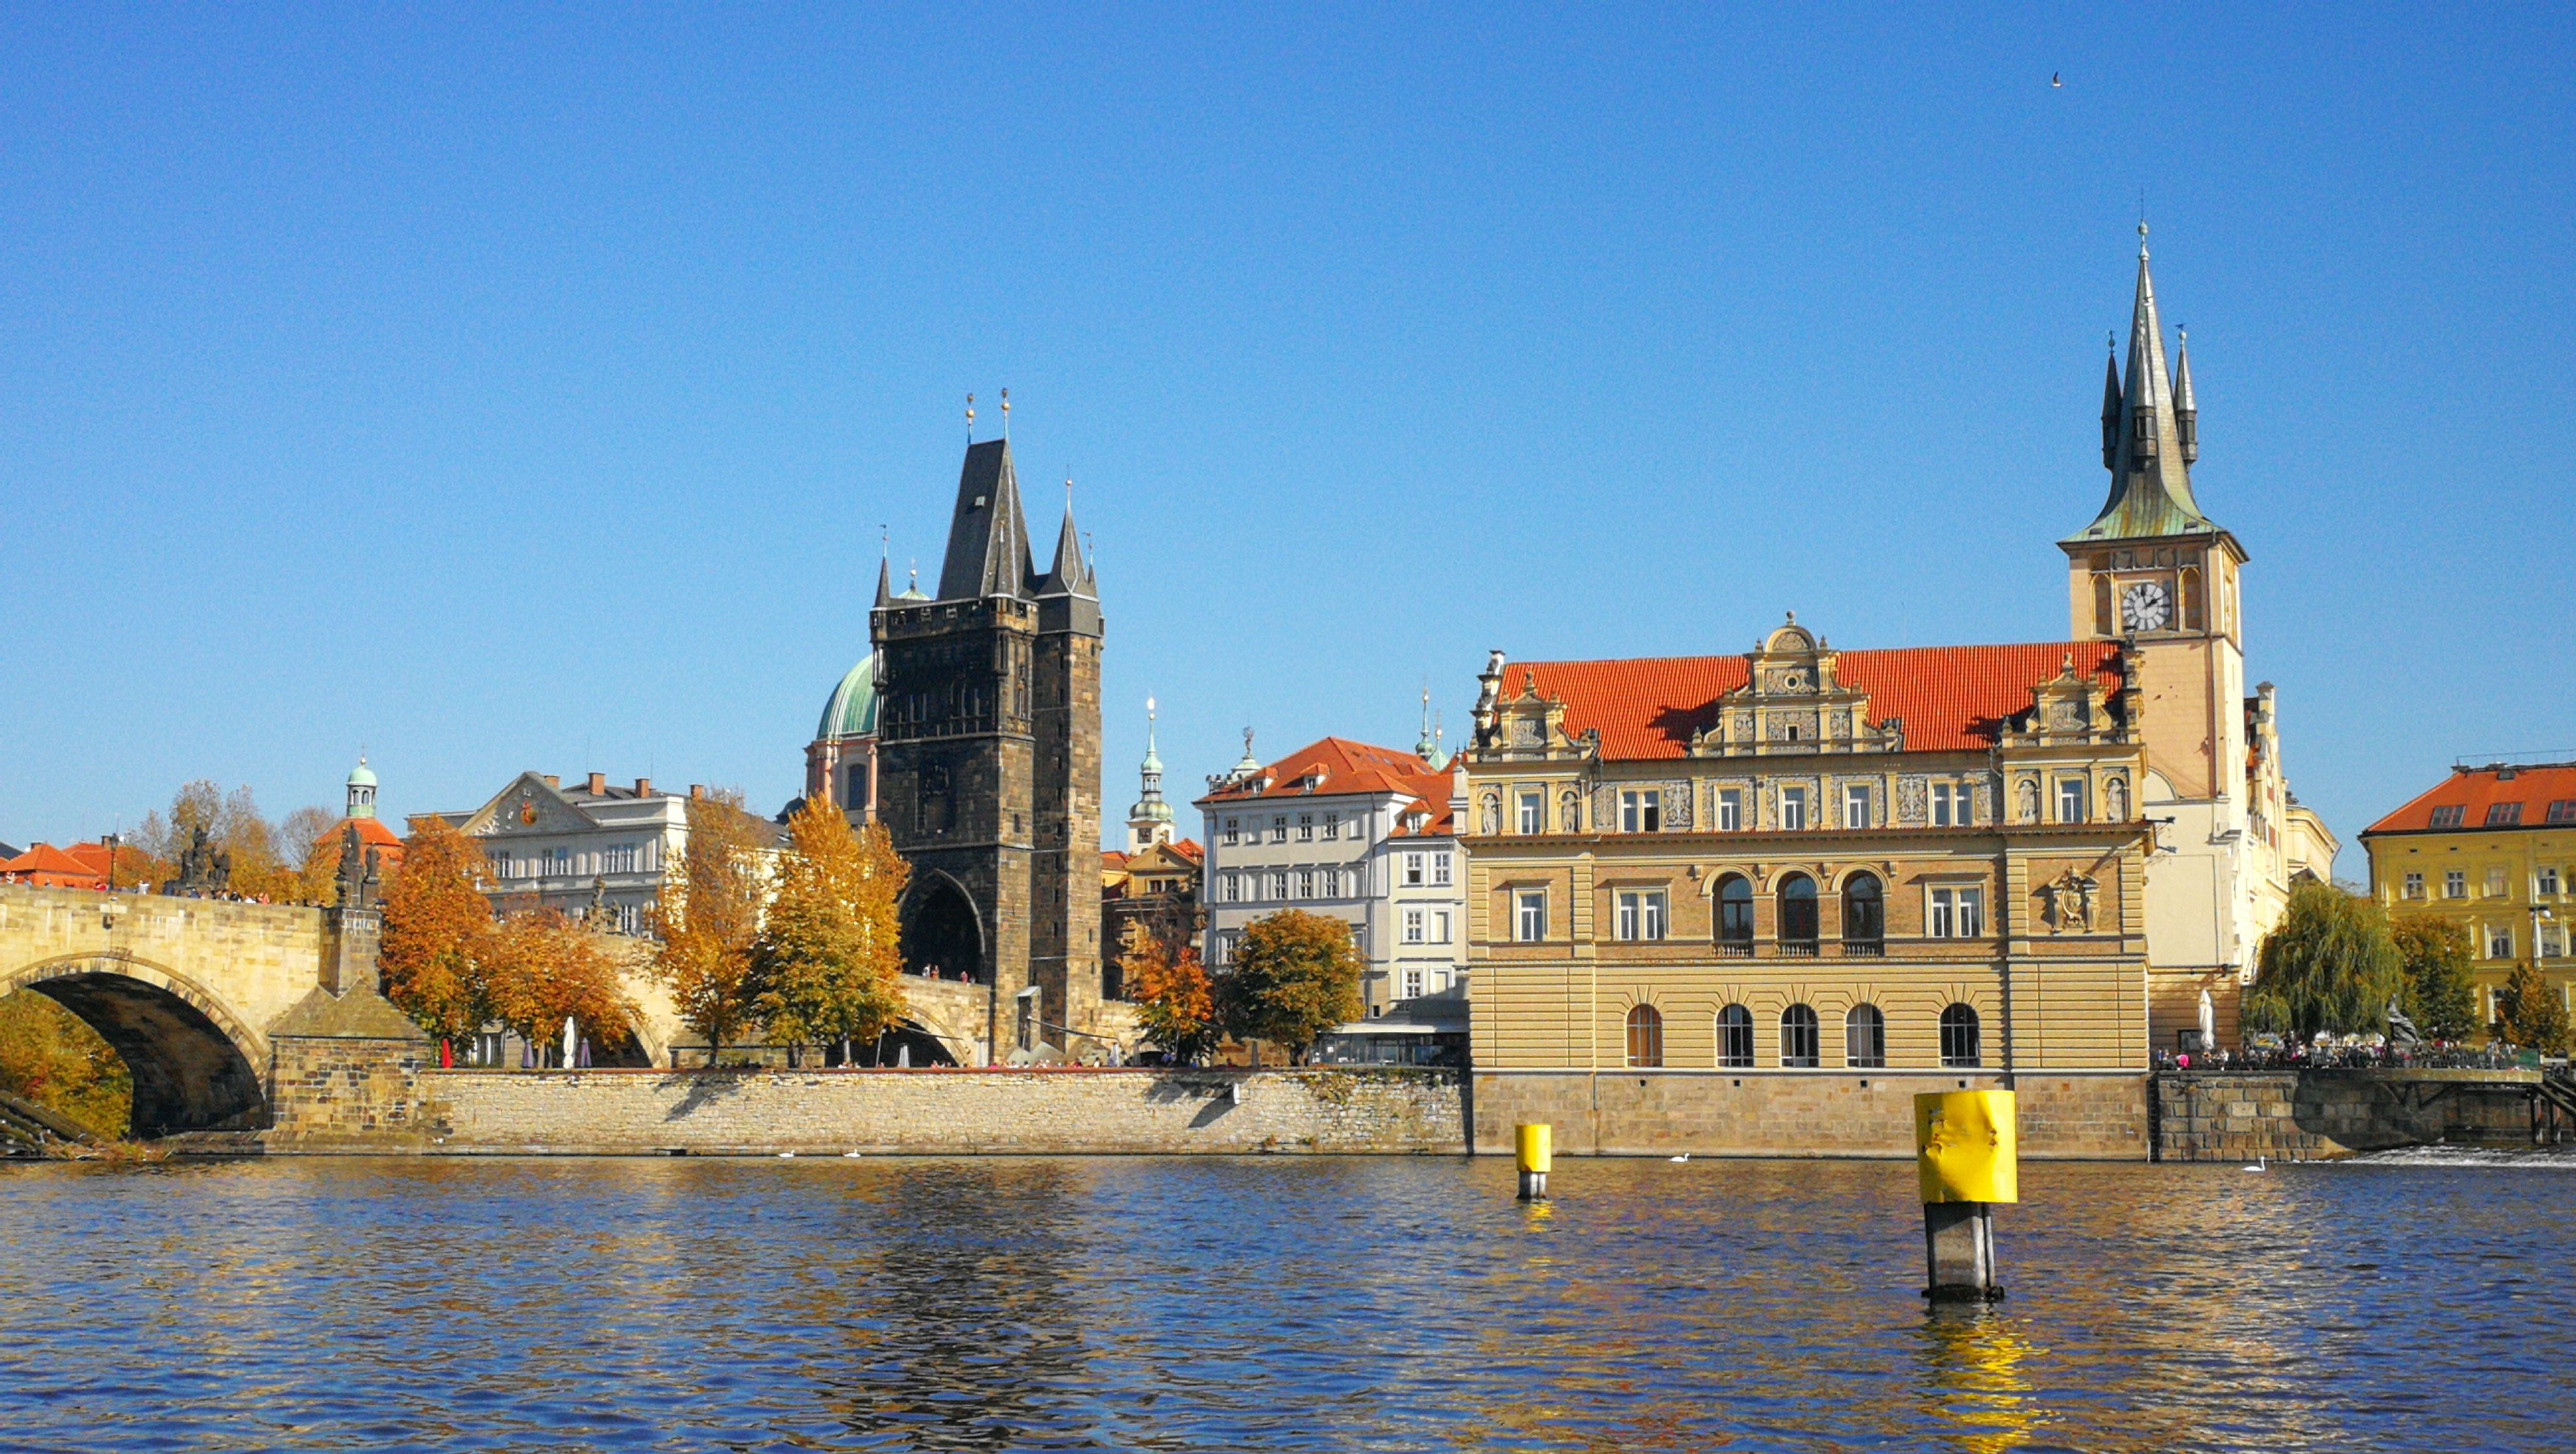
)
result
[(2317, 1115), (943, 1113), (1798, 1113)]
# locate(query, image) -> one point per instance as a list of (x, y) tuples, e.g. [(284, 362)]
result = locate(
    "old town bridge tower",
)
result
[(989, 761)]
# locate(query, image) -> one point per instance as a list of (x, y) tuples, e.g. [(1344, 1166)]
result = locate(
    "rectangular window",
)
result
[(2563, 811), (1413, 984), (1305, 827), (1641, 811), (1956, 914), (1793, 808), (2414, 885), (1305, 883), (1225, 888), (1359, 827), (1855, 805), (1440, 869), (2455, 884), (1278, 884), (2070, 800), (2495, 883), (1416, 925), (2447, 816), (2500, 943), (1232, 826), (1533, 811), (2548, 882), (1640, 914), (1225, 948), (1730, 810), (1440, 926), (1332, 825), (1413, 869), (1279, 829), (2504, 815), (1529, 915), (1950, 806)]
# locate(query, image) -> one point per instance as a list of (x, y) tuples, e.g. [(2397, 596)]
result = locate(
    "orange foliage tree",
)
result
[(1170, 991), (829, 957), (1295, 975), (710, 921), (436, 926), (543, 969)]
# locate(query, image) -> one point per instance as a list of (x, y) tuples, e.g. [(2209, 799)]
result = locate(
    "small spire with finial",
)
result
[(1006, 416), (970, 419), (2142, 227)]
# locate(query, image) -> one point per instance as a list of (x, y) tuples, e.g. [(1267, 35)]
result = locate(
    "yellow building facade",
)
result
[(2492, 849), (1745, 903)]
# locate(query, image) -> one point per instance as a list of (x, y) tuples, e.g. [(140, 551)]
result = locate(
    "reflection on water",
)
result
[(1284, 1303)]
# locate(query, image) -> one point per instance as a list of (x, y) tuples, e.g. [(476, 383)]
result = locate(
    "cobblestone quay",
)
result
[(2318, 1115), (943, 1112)]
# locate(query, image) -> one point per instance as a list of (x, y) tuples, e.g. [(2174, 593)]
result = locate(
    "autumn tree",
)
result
[(1174, 1006), (1295, 975), (48, 1056), (829, 958), (2433, 957), (2331, 966), (710, 920), (2530, 1014), (544, 969), (436, 926)]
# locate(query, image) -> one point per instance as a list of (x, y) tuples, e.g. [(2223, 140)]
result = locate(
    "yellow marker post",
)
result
[(1531, 1145), (1966, 1160)]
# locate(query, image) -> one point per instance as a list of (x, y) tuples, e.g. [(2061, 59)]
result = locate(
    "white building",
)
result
[(554, 847), (1348, 831)]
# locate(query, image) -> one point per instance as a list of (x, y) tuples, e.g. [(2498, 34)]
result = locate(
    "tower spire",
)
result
[(2144, 445), (2186, 413), (885, 566), (1150, 821)]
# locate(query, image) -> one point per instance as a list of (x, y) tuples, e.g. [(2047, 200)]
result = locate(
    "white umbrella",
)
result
[(2208, 1023), (568, 1042)]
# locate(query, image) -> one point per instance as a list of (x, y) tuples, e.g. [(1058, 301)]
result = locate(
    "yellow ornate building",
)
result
[(2492, 849), (1748, 903)]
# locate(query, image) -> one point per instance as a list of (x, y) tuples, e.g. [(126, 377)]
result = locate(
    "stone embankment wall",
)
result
[(2317, 1115), (1826, 1113), (943, 1113)]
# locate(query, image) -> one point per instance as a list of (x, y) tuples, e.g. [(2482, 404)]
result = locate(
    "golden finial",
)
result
[(970, 419), (1006, 414)]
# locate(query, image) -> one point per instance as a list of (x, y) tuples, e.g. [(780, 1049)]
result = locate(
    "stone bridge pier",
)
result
[(245, 1018)]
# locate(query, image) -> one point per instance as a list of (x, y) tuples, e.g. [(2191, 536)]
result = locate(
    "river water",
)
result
[(1277, 1303)]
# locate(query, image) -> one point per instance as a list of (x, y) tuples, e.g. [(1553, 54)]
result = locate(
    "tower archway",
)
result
[(941, 934)]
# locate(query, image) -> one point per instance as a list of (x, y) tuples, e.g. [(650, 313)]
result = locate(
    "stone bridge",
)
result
[(231, 1017)]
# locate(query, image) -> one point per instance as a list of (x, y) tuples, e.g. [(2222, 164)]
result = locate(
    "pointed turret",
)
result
[(988, 536), (1149, 821), (885, 581), (1070, 575), (2150, 477), (2110, 406), (2186, 413)]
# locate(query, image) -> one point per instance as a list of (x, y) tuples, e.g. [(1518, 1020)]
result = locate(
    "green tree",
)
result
[(2530, 1013), (1174, 1006), (436, 931), (829, 958), (2331, 965), (710, 920), (2433, 955), (1295, 975)]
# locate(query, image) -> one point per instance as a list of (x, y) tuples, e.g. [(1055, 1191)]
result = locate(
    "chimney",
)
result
[(643, 787), (599, 785), (697, 790), (550, 780)]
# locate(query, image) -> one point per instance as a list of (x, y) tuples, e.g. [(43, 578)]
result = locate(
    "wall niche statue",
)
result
[(2026, 801), (1489, 815), (2115, 799)]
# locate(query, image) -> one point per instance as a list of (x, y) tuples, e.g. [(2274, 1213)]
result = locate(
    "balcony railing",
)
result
[(1864, 948), (1735, 949), (1798, 948)]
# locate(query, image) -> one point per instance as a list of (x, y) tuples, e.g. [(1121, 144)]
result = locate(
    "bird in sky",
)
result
[(2054, 82)]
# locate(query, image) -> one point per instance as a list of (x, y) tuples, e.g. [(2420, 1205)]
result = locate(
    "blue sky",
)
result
[(504, 390)]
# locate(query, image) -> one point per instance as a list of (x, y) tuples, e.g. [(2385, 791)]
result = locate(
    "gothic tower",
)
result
[(989, 761)]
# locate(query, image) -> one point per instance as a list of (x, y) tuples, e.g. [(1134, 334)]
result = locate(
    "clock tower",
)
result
[(2154, 572)]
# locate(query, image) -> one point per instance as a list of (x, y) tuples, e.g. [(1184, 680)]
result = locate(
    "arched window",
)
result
[(1735, 1038), (1797, 914), (1864, 1038), (2102, 617), (1799, 1037), (1735, 914), (2194, 609), (1864, 915), (1959, 1037), (1645, 1038)]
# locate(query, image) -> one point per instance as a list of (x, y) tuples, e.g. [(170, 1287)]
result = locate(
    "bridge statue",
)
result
[(203, 868)]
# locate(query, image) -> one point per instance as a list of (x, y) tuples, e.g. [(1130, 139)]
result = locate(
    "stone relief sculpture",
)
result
[(1489, 815), (2026, 801), (1678, 798), (1569, 812), (1909, 800), (2115, 799), (2066, 903)]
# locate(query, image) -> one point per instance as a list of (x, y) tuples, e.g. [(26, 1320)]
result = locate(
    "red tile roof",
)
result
[(45, 864), (1950, 698), (2474, 790), (1348, 768)]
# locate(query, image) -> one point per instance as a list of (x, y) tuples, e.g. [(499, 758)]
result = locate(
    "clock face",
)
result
[(2143, 607)]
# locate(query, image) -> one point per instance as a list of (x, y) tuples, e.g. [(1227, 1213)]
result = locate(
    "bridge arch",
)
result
[(196, 1066)]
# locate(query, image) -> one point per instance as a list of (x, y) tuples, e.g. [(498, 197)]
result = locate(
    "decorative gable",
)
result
[(2069, 708), (528, 805), (1794, 702)]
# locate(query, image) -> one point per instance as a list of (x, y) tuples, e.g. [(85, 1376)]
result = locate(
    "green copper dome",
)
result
[(852, 711), (361, 776)]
